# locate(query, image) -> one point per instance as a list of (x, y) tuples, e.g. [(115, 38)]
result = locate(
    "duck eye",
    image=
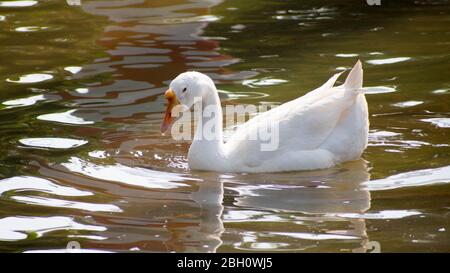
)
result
[(184, 89)]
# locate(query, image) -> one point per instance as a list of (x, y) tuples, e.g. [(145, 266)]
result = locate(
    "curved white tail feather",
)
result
[(355, 78)]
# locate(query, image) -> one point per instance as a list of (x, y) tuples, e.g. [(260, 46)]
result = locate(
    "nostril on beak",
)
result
[(170, 95)]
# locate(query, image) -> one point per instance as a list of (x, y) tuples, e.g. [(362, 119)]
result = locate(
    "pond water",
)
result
[(82, 158)]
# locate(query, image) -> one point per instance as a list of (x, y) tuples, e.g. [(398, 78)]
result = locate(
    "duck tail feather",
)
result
[(355, 78)]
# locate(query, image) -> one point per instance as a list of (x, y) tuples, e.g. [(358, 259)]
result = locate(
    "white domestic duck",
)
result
[(327, 126)]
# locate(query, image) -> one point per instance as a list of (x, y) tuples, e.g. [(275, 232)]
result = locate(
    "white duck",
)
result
[(327, 126)]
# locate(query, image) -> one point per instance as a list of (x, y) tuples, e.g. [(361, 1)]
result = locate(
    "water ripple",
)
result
[(378, 89), (58, 203), (23, 101), (313, 236), (254, 83), (14, 4), (31, 78), (388, 61), (411, 179), (65, 117), (18, 227), (30, 28), (73, 69), (131, 176), (439, 122), (53, 142), (384, 214), (30, 183), (410, 103)]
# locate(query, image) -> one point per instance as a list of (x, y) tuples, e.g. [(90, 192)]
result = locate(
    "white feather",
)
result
[(325, 127)]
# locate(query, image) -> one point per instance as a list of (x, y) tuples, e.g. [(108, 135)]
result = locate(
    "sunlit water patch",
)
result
[(202, 18), (82, 90), (65, 117), (385, 214), (347, 55), (439, 122), (58, 203), (98, 154), (440, 91), (30, 28), (382, 135), (18, 227), (393, 139), (315, 237), (254, 83), (53, 142), (409, 103), (73, 69), (226, 95), (410, 179), (14, 4), (29, 183), (388, 60), (31, 78), (24, 101), (378, 89), (131, 176)]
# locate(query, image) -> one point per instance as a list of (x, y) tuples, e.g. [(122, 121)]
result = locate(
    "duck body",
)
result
[(325, 127)]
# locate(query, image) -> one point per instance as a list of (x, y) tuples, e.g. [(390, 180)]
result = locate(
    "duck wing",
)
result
[(299, 125)]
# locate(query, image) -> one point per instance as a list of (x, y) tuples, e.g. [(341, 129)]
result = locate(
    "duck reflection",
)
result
[(334, 190), (304, 201), (186, 212), (206, 236)]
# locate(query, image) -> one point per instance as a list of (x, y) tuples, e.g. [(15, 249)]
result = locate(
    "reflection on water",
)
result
[(133, 176), (21, 3), (51, 202), (324, 191), (439, 122), (28, 183), (83, 160), (24, 102), (413, 178), (65, 117), (56, 143), (31, 78), (388, 61), (16, 228), (320, 196)]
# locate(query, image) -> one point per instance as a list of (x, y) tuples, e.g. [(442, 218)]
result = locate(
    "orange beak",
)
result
[(171, 102)]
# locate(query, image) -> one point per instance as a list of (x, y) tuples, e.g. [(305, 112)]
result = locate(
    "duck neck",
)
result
[(209, 126), (207, 149)]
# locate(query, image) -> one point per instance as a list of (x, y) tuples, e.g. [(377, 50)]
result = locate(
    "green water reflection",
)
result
[(82, 158)]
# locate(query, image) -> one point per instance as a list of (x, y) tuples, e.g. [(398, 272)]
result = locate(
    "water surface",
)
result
[(82, 158)]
